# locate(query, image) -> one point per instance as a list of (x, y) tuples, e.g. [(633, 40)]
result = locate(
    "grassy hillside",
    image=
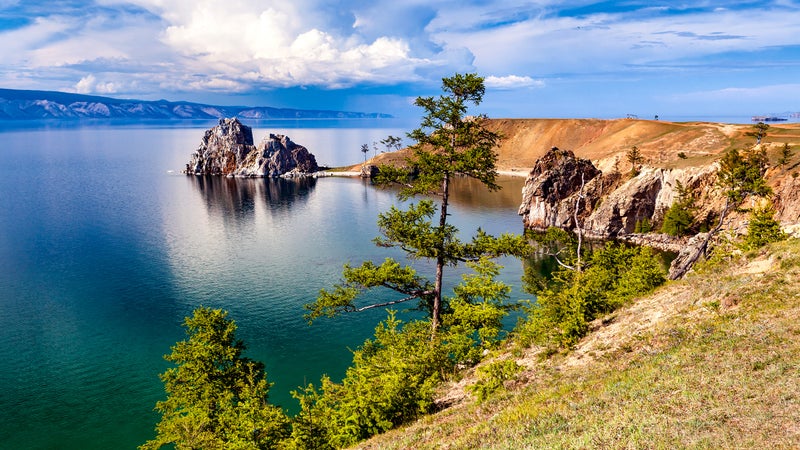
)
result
[(710, 361), (526, 140)]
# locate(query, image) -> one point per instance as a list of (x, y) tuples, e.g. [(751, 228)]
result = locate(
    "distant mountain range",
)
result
[(31, 105)]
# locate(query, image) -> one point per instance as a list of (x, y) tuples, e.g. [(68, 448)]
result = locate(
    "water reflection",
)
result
[(471, 193), (237, 198)]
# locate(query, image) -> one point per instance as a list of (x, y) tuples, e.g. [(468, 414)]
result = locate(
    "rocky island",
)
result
[(227, 149)]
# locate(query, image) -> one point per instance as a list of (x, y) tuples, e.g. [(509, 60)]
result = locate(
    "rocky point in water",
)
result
[(227, 149)]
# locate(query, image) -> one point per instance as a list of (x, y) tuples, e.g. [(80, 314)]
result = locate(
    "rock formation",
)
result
[(552, 189), (608, 205), (228, 149)]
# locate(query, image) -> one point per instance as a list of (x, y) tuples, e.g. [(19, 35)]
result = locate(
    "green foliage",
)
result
[(491, 378), (786, 155), (565, 306), (393, 377), (635, 158), (392, 143), (642, 225), (680, 216), (392, 380), (215, 397), (763, 228), (677, 220), (473, 323), (447, 143), (742, 174), (759, 131)]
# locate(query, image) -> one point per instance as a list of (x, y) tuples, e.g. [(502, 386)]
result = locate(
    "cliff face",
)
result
[(228, 149), (551, 191), (609, 205)]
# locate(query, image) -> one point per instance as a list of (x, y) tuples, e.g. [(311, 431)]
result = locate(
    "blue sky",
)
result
[(540, 58)]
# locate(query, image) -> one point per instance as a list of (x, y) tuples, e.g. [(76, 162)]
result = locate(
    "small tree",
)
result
[(786, 155), (566, 303), (763, 228), (635, 157), (740, 174), (759, 131), (365, 150), (679, 217), (215, 397), (392, 143)]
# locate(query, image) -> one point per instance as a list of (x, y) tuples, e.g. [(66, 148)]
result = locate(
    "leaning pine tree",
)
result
[(448, 143)]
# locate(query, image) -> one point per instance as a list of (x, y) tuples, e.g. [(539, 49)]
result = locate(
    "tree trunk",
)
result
[(437, 295)]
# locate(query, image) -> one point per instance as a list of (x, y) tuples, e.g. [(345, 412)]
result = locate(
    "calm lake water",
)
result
[(105, 248)]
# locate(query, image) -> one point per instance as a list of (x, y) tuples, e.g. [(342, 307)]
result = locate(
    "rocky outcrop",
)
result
[(552, 190), (228, 149), (608, 205)]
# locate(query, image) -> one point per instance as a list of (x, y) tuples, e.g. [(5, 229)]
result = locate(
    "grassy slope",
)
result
[(526, 140), (711, 361)]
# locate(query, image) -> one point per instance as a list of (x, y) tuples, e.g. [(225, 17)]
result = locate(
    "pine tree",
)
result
[(215, 397), (635, 157), (448, 143)]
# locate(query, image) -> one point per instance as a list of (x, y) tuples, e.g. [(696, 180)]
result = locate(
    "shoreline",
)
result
[(514, 172)]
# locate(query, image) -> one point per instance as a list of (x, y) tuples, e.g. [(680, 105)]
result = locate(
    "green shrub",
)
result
[(677, 220), (492, 377), (763, 228), (643, 226), (679, 217), (614, 274), (394, 376)]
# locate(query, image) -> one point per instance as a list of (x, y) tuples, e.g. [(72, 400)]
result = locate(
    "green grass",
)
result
[(724, 373)]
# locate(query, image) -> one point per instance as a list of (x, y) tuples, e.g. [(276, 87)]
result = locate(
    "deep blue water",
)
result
[(105, 248)]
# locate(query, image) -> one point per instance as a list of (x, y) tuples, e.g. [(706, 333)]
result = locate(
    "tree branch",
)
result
[(394, 302)]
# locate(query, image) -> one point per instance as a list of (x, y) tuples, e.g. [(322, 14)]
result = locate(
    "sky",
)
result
[(540, 58)]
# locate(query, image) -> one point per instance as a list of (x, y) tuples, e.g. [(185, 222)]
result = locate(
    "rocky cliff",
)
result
[(608, 205), (565, 191), (227, 149)]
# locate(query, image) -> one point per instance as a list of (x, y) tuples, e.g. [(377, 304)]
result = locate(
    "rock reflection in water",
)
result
[(238, 197)]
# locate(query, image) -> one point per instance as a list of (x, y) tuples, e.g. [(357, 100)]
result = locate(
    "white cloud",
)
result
[(90, 85), (512, 82), (754, 95), (285, 44), (602, 42)]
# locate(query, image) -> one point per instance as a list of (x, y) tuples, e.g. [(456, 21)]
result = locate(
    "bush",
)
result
[(564, 307), (677, 220), (763, 228), (492, 377), (394, 376)]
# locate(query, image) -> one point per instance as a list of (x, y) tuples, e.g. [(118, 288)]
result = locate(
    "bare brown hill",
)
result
[(606, 141), (603, 141)]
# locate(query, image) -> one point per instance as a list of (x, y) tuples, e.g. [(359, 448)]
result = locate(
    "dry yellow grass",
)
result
[(526, 140)]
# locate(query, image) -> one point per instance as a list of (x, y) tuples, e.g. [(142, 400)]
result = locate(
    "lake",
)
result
[(105, 248)]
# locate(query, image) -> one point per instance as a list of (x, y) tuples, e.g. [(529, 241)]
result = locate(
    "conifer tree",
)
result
[(448, 143), (215, 397)]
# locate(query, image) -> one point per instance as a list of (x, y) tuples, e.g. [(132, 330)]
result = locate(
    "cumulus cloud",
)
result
[(512, 82), (284, 44), (90, 85)]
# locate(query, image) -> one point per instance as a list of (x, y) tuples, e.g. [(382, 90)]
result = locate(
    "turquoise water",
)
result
[(104, 249)]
